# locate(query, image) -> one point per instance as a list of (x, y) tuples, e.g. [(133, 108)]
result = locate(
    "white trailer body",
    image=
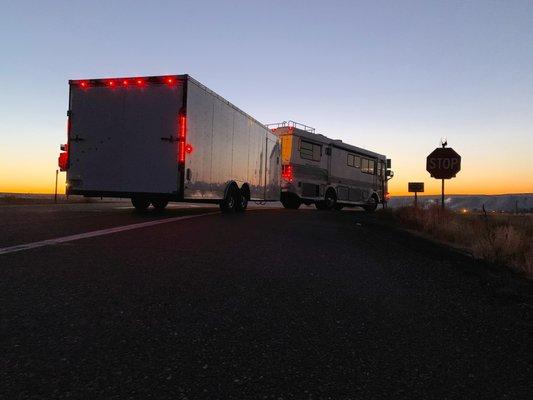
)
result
[(328, 172), (166, 138)]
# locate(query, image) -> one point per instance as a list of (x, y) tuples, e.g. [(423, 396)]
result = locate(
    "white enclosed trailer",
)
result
[(327, 172), (166, 138)]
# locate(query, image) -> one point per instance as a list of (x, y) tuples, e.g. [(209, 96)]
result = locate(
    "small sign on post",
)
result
[(416, 187), (443, 163)]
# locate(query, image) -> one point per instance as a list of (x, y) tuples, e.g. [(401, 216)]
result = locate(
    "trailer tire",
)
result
[(290, 201), (141, 204), (371, 207), (160, 204), (229, 204), (242, 203)]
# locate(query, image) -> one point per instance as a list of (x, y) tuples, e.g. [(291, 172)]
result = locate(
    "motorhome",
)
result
[(328, 173), (166, 138)]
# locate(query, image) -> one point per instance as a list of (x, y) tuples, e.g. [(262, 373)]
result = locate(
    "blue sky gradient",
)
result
[(391, 76)]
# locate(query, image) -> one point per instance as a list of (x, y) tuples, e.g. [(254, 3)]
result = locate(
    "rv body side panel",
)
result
[(359, 185)]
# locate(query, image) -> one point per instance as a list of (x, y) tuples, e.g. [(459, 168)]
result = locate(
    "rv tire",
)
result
[(291, 201), (372, 205)]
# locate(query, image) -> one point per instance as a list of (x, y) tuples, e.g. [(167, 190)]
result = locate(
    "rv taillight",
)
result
[(286, 172)]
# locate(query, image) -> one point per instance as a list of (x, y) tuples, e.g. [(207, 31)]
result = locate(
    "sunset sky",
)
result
[(390, 76)]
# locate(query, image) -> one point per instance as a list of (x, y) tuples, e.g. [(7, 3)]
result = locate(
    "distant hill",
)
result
[(503, 202)]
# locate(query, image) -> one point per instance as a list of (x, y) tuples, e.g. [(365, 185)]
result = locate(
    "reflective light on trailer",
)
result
[(170, 81), (181, 138), (188, 148)]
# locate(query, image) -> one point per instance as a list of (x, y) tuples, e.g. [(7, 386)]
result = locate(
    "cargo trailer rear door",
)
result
[(123, 139)]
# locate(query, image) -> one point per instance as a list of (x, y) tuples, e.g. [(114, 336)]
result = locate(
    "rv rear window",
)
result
[(310, 151)]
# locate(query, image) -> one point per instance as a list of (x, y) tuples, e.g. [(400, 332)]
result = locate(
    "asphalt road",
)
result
[(274, 304)]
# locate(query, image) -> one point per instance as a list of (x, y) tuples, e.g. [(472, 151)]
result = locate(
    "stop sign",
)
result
[(443, 163)]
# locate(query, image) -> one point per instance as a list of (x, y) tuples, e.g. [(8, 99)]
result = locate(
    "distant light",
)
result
[(464, 210)]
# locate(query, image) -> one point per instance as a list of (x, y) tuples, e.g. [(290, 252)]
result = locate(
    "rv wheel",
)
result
[(330, 201), (140, 204), (160, 204), (228, 205), (290, 201), (372, 205)]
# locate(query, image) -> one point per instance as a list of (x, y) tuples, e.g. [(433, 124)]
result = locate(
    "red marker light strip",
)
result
[(181, 138)]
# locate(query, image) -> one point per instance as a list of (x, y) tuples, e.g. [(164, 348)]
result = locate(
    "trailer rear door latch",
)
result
[(76, 139), (169, 139)]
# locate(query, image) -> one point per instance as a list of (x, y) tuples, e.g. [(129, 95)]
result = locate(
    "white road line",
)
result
[(102, 232)]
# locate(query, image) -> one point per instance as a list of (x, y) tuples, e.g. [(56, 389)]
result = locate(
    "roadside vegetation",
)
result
[(503, 239)]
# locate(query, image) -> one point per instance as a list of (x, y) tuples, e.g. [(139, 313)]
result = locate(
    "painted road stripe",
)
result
[(102, 232)]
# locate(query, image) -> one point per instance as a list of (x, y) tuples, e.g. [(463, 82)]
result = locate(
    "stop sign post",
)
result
[(443, 163)]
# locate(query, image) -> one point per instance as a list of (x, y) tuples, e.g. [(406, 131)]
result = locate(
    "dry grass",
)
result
[(500, 239)]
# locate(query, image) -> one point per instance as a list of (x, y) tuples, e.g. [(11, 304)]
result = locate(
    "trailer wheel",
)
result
[(242, 203), (372, 205), (141, 204), (229, 204), (160, 204), (290, 201)]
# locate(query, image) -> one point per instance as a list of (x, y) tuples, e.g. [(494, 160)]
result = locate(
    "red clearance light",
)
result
[(188, 148), (62, 161), (125, 82), (84, 84), (170, 81), (140, 82), (182, 148), (111, 83)]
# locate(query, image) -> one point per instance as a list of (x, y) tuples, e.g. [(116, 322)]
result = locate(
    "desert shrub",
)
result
[(506, 240)]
